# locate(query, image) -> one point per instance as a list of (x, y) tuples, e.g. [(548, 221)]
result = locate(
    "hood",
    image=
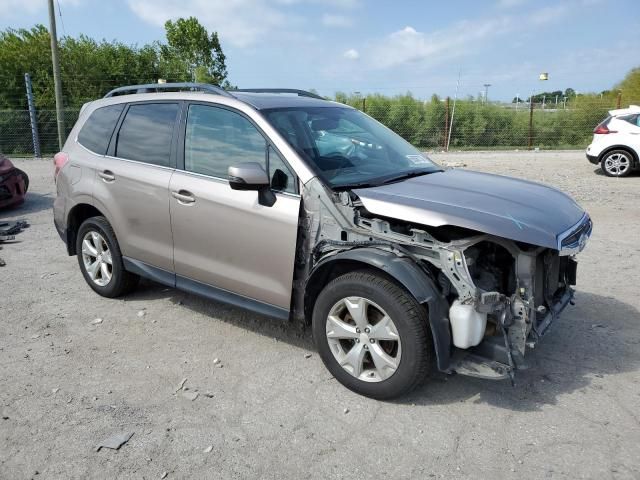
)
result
[(503, 206)]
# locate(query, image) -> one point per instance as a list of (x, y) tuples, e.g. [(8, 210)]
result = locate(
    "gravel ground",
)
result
[(268, 410)]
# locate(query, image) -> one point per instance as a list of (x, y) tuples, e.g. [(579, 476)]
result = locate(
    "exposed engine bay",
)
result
[(496, 297)]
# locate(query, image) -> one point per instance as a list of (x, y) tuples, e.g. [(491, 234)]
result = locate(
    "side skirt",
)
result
[(202, 289)]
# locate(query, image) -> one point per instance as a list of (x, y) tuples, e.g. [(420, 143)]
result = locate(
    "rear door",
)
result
[(224, 238), (132, 183)]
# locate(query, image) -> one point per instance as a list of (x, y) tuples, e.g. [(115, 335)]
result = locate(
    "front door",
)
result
[(224, 238)]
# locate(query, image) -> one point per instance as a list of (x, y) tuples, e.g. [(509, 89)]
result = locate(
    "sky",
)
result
[(384, 46)]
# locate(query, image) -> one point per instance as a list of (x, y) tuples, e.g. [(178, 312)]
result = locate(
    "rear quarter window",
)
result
[(96, 131), (632, 119)]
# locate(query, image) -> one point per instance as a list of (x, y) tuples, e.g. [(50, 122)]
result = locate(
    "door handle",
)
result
[(184, 197), (107, 176)]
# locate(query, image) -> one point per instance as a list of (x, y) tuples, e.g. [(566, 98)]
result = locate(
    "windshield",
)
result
[(348, 148)]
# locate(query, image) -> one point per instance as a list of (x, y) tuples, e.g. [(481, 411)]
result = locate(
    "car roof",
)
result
[(265, 101), (258, 98), (625, 111)]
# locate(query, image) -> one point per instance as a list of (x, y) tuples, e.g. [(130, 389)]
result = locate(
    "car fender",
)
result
[(409, 275)]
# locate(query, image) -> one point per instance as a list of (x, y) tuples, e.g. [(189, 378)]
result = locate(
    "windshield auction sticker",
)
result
[(417, 159)]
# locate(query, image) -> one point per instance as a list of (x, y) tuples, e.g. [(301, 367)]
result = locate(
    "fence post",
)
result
[(446, 125), (530, 123), (619, 100), (32, 116)]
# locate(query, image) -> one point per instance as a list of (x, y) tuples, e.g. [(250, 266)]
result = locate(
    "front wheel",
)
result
[(372, 335), (100, 259)]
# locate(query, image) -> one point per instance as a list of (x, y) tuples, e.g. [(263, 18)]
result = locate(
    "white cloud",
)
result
[(408, 45), (330, 20), (548, 14), (351, 54), (239, 22), (510, 3), (345, 4)]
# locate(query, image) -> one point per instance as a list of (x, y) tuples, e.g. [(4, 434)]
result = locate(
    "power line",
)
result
[(61, 20)]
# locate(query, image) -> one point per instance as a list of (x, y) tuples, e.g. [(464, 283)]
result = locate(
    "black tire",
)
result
[(122, 282), (607, 155), (411, 322)]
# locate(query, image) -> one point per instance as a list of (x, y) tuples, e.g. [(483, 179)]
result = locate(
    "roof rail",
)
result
[(156, 87), (300, 93)]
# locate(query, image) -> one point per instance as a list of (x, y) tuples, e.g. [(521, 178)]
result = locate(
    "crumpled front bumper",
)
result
[(12, 188)]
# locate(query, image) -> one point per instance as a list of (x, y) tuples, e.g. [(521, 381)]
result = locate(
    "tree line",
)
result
[(91, 68)]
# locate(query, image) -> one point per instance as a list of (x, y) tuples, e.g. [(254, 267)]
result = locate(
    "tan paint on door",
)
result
[(137, 205), (226, 239)]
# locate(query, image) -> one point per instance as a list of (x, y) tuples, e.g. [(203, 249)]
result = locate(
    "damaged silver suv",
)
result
[(292, 206)]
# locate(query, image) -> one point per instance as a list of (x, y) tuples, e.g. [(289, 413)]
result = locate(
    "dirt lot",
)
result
[(66, 384)]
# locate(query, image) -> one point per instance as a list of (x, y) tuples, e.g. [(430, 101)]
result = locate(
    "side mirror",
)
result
[(252, 176)]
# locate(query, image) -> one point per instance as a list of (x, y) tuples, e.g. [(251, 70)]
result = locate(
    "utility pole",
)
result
[(486, 92), (619, 99), (56, 72)]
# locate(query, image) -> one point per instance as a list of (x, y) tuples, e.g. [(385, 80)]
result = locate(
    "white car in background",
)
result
[(616, 142)]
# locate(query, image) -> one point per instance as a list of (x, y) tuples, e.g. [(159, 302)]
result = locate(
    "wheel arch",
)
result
[(626, 148), (78, 214), (401, 270)]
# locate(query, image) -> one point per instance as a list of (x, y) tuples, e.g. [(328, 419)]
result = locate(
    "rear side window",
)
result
[(96, 131), (632, 119), (146, 132)]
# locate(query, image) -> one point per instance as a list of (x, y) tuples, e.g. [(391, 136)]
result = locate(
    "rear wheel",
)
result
[(372, 335), (100, 259), (617, 163)]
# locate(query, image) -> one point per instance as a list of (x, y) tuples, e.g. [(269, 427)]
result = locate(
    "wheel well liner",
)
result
[(626, 148), (403, 271), (78, 214)]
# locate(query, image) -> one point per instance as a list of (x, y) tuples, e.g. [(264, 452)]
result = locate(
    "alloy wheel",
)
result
[(96, 257), (363, 339), (617, 164)]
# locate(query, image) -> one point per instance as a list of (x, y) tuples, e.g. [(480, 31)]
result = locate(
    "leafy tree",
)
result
[(189, 41), (630, 86)]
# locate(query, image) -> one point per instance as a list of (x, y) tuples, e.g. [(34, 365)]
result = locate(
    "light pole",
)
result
[(486, 92)]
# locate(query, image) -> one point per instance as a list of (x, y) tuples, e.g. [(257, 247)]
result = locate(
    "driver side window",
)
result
[(217, 138)]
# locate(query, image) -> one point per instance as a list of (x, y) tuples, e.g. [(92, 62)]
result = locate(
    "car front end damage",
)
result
[(13, 184), (490, 298)]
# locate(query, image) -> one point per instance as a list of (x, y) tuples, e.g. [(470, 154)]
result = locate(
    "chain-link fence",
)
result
[(16, 137), (431, 125)]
